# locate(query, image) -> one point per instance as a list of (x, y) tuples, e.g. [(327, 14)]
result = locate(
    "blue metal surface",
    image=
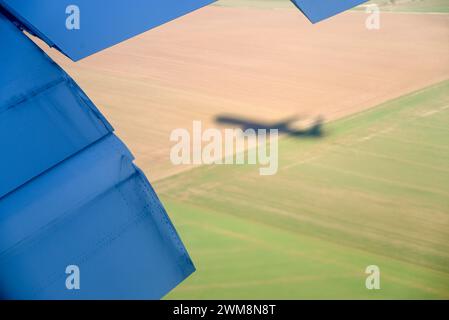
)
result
[(44, 116), (317, 10), (103, 23), (70, 193), (96, 211)]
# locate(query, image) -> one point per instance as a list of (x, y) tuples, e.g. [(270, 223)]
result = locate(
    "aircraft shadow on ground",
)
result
[(315, 130)]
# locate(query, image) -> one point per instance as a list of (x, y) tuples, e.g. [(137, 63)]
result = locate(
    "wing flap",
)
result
[(102, 23), (318, 10)]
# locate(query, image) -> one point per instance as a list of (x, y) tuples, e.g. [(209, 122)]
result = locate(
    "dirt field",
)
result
[(260, 64)]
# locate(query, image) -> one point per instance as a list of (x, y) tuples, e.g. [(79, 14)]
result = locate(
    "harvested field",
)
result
[(259, 64)]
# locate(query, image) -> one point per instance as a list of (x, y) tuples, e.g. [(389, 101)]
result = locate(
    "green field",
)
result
[(385, 5), (432, 6), (373, 190)]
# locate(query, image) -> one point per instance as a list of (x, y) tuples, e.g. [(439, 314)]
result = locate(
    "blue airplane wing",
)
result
[(44, 116), (317, 10), (103, 23), (70, 193), (98, 212)]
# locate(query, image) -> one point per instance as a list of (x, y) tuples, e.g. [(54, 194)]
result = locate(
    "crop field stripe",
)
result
[(403, 6)]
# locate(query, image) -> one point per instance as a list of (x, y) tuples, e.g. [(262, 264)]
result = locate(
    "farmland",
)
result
[(220, 59), (418, 6), (374, 190)]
